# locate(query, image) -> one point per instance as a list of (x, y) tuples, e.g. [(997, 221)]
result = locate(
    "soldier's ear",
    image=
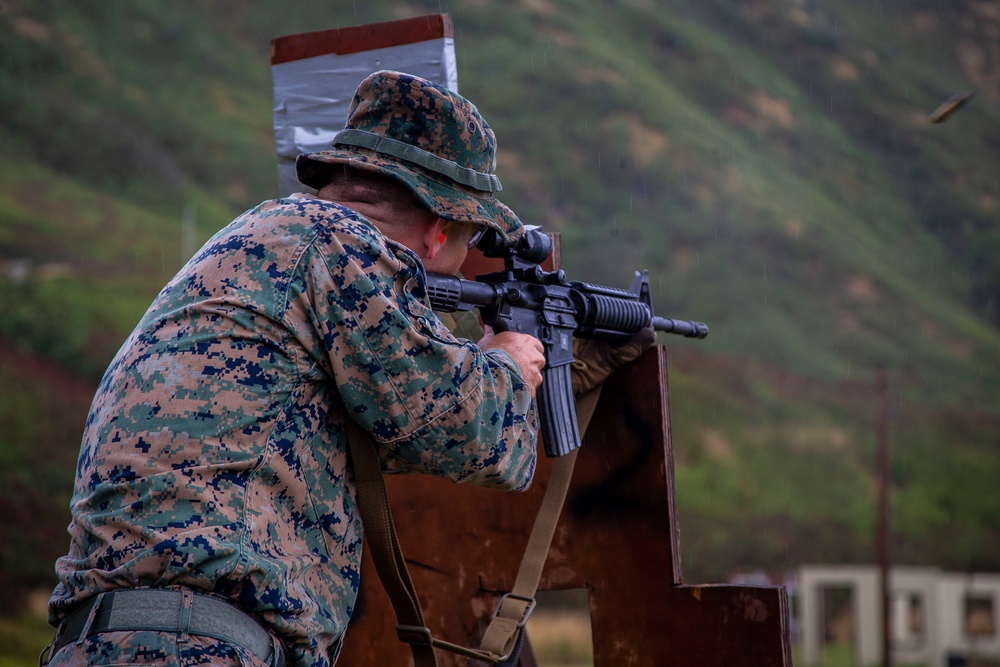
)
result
[(435, 236)]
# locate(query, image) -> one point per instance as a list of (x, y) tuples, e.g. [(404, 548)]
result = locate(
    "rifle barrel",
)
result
[(686, 328)]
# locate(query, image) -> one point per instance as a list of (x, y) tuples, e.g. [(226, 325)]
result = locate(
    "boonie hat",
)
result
[(432, 140)]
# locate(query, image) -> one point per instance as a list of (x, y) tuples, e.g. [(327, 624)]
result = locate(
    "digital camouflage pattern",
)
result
[(153, 649), (431, 118), (214, 455)]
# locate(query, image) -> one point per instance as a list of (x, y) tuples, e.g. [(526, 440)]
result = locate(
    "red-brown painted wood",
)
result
[(356, 39), (617, 538)]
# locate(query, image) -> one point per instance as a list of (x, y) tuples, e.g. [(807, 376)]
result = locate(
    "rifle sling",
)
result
[(502, 634)]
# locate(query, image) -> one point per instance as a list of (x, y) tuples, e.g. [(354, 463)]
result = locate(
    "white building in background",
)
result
[(937, 618)]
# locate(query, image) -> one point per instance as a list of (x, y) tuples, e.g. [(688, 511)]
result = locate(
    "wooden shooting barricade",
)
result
[(617, 537)]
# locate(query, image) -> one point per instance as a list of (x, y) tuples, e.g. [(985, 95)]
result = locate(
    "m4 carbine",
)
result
[(527, 299)]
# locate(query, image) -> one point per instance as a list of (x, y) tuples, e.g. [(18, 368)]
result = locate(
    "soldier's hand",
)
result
[(595, 361), (526, 351)]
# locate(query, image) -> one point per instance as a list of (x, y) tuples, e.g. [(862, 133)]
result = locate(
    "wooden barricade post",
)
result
[(315, 74)]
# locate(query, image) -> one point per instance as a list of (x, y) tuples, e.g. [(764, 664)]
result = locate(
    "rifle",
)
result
[(527, 299)]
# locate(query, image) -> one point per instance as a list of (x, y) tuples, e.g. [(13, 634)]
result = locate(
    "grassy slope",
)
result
[(762, 166), (769, 162)]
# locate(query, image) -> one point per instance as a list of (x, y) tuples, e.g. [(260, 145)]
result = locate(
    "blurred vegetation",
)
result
[(559, 629), (771, 163)]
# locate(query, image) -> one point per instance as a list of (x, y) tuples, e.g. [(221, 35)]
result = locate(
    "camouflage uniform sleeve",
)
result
[(436, 404)]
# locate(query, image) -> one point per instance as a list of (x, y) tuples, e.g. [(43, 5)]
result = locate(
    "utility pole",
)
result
[(882, 537)]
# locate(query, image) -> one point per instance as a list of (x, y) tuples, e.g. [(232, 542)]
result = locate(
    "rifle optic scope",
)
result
[(533, 246)]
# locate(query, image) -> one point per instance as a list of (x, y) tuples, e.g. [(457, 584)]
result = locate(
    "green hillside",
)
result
[(771, 163)]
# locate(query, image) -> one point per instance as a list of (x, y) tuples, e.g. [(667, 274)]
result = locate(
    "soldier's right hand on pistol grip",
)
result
[(526, 351)]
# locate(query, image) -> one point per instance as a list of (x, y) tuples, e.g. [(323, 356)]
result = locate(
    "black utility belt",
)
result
[(169, 610)]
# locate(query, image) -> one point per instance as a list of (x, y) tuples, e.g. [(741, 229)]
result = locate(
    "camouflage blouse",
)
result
[(214, 455)]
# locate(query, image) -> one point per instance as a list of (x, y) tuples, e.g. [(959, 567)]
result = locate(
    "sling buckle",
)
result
[(523, 598), (414, 634)]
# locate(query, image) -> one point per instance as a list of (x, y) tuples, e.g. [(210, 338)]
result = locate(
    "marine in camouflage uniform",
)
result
[(214, 458)]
